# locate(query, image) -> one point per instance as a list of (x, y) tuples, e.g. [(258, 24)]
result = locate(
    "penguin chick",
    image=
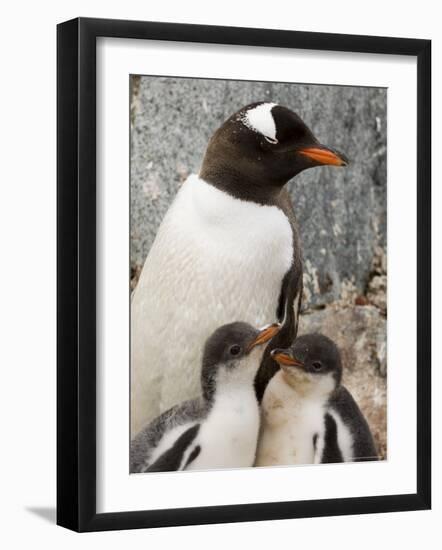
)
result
[(308, 416), (219, 429)]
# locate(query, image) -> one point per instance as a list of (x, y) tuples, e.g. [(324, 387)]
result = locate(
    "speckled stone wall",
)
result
[(341, 212)]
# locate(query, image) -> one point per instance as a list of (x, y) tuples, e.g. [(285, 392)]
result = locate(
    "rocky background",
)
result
[(341, 212)]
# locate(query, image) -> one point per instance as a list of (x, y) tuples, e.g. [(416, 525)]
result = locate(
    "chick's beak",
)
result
[(286, 358), (265, 334), (323, 155)]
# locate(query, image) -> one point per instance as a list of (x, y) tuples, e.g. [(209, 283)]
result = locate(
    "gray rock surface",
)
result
[(341, 212)]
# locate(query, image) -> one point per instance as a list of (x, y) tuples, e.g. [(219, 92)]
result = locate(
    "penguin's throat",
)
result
[(307, 385), (254, 187), (231, 381)]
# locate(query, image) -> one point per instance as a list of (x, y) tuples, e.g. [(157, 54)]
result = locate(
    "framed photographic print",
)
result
[(243, 274)]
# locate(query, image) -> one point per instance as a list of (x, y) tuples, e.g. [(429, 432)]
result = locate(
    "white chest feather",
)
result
[(289, 424), (229, 435), (216, 259)]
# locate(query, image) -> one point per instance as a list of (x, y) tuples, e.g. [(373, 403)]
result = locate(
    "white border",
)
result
[(116, 490)]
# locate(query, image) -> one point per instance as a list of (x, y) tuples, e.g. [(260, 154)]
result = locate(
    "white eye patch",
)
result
[(260, 119)]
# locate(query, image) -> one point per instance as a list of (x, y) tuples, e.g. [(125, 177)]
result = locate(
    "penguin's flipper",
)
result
[(331, 451), (289, 304), (288, 315), (364, 448), (171, 460), (269, 366), (290, 297)]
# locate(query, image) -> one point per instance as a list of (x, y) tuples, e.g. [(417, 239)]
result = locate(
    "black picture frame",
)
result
[(77, 287)]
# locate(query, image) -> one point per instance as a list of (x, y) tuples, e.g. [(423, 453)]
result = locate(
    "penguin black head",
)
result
[(311, 364), (232, 354), (260, 148)]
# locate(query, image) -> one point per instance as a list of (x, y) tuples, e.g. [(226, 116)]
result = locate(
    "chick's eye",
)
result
[(235, 350), (317, 365)]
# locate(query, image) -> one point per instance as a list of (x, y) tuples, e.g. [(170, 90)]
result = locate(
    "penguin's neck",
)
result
[(233, 387), (234, 401), (298, 390), (251, 188)]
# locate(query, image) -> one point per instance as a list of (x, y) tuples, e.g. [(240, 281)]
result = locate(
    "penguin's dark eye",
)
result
[(317, 365), (235, 349)]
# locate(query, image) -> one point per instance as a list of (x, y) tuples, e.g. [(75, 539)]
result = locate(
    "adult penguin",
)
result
[(227, 249)]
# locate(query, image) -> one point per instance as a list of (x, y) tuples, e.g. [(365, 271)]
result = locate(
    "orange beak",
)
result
[(323, 155), (284, 358), (266, 334)]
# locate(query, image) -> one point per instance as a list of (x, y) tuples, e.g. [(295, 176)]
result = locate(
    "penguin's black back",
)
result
[(331, 452), (345, 406)]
